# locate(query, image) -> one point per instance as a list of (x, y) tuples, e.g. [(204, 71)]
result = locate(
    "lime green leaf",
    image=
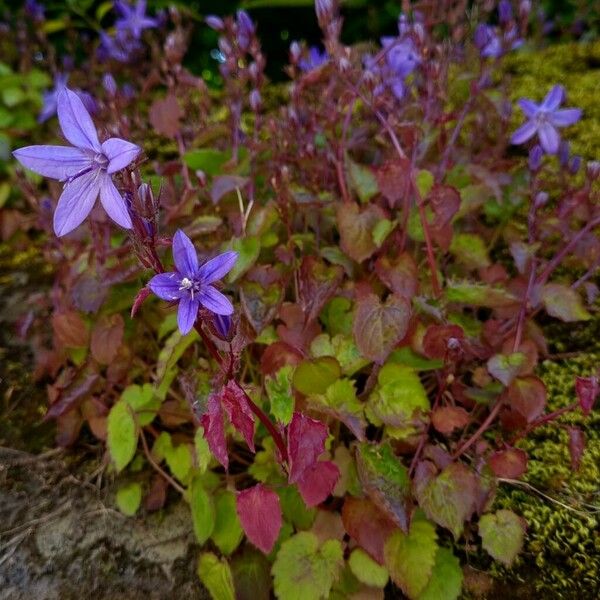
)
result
[(121, 435), (129, 497), (564, 303), (293, 508), (216, 576), (166, 367), (337, 316), (367, 570), (424, 181), (406, 356), (381, 230), (502, 535), (315, 375), (410, 558), (446, 578), (303, 570), (142, 400), (248, 249), (12, 96), (362, 181), (206, 159), (343, 348), (228, 532), (203, 511), (479, 295), (203, 454), (179, 459), (279, 391), (470, 250)]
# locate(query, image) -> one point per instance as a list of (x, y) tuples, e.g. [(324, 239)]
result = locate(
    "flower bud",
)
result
[(563, 154), (254, 71), (540, 199), (215, 22), (535, 158), (295, 52), (505, 12), (222, 325), (255, 100), (110, 85), (575, 164)]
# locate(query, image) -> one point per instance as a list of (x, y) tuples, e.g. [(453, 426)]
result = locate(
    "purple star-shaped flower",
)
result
[(50, 97), (86, 167), (544, 119), (191, 284), (314, 59), (133, 18)]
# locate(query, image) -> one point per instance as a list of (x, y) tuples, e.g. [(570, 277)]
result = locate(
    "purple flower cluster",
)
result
[(492, 43), (86, 167), (314, 59), (191, 284), (545, 119)]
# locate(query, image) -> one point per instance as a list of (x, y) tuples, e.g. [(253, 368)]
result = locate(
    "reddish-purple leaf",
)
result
[(318, 482), (511, 463), (368, 525), (70, 329), (306, 442), (225, 184), (214, 430), (164, 116), (356, 229), (448, 418), (139, 300), (260, 515), (587, 389), (527, 395), (157, 494), (277, 355), (238, 410), (440, 341), (72, 396), (399, 274), (107, 336), (576, 446), (317, 284), (393, 180), (505, 367)]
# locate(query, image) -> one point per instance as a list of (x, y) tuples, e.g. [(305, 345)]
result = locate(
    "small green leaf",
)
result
[(343, 348), (314, 376), (446, 578), (203, 454), (424, 182), (216, 576), (406, 356), (129, 498), (479, 295), (248, 249), (293, 508), (367, 570), (506, 367), (121, 435), (203, 511), (502, 535), (142, 400), (179, 460), (564, 303), (304, 570), (410, 558), (206, 159), (363, 181), (337, 316), (228, 532), (470, 250), (279, 391), (381, 230)]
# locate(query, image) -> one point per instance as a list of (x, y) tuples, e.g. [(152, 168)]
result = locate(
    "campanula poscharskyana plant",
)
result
[(86, 167)]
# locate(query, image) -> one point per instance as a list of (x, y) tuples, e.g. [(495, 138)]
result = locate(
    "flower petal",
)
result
[(529, 107), (217, 267), (184, 254), (120, 153), (76, 202), (166, 286), (214, 301), (113, 202), (564, 117), (554, 97), (75, 121), (56, 162), (549, 138), (524, 133), (187, 313)]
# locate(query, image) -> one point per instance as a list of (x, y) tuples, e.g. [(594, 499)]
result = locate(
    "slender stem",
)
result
[(482, 429), (523, 311), (157, 467)]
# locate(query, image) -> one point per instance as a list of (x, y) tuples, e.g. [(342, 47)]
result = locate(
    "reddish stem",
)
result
[(482, 429)]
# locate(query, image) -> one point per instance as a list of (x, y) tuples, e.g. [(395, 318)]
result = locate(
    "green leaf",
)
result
[(206, 159), (279, 391), (248, 249), (252, 575), (121, 435), (446, 578), (424, 182), (203, 511), (564, 303), (410, 558), (314, 376), (479, 295), (303, 570), (203, 454), (129, 497), (502, 535), (381, 230), (367, 570), (362, 181), (341, 347), (399, 394), (356, 227), (293, 508), (337, 316), (470, 250), (228, 532), (216, 576), (409, 358), (179, 460), (172, 351), (506, 367), (143, 402), (386, 481), (12, 96)]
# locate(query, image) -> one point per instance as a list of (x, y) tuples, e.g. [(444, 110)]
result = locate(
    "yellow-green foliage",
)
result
[(561, 558), (576, 67)]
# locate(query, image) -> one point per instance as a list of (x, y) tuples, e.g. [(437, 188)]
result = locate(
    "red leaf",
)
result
[(587, 389), (278, 355), (441, 340), (72, 396), (306, 442), (225, 184), (393, 180), (318, 482), (511, 463), (576, 446), (157, 494), (317, 284), (445, 202), (214, 430), (527, 395), (164, 116), (260, 515), (399, 274), (366, 524), (448, 418), (70, 329), (139, 300), (238, 410), (107, 336), (356, 229), (68, 426)]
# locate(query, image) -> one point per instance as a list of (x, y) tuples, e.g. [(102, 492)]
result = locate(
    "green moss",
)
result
[(577, 67)]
